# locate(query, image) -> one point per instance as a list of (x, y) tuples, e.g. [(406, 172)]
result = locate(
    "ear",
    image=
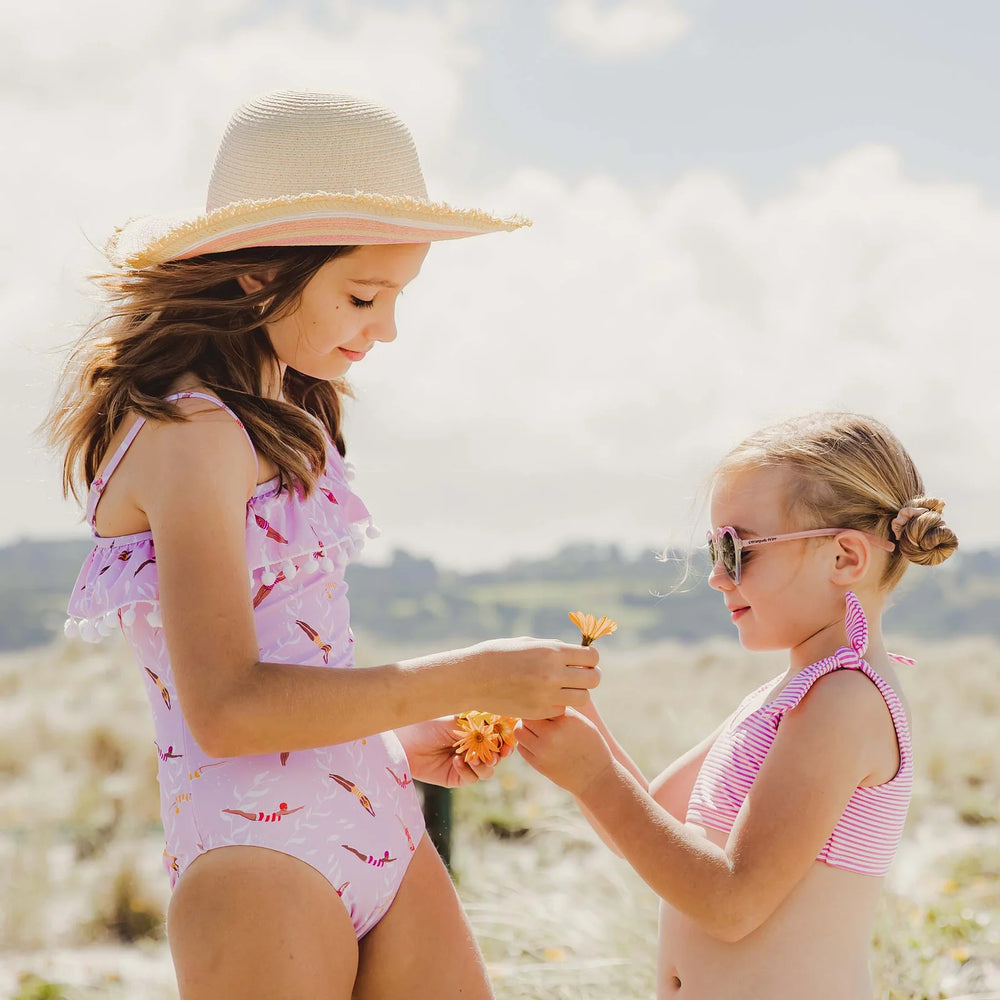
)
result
[(251, 283), (852, 558)]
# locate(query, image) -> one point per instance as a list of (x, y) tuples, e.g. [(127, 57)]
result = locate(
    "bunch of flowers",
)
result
[(480, 735)]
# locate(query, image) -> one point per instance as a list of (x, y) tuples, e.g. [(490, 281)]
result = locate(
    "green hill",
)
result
[(413, 600)]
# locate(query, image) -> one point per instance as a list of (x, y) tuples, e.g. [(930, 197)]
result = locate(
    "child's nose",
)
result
[(719, 579)]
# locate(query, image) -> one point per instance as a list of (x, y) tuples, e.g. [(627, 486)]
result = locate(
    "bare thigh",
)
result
[(423, 948), (256, 924)]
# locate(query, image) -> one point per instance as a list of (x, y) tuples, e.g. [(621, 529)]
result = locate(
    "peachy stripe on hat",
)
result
[(323, 219), (322, 229)]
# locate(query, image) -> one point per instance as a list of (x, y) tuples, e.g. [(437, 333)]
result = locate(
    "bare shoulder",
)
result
[(205, 455), (846, 713), (844, 689)]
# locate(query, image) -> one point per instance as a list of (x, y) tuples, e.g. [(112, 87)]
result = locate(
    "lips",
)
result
[(353, 355), (737, 613)]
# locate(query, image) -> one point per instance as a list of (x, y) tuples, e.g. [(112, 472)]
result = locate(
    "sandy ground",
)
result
[(557, 915)]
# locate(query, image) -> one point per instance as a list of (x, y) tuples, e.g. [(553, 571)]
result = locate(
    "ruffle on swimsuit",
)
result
[(282, 540), (350, 809)]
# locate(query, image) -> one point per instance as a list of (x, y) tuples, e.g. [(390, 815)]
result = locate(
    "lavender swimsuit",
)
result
[(349, 810)]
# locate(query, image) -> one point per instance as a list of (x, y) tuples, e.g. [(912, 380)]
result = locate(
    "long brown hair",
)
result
[(192, 317)]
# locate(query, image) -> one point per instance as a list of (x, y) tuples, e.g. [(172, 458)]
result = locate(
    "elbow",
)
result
[(730, 922), (213, 739), (732, 912), (218, 734)]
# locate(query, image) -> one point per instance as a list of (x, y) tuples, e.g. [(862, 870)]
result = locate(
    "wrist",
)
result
[(602, 781), (449, 680)]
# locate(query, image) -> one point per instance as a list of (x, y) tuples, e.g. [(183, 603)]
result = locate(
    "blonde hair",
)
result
[(851, 471), (192, 317)]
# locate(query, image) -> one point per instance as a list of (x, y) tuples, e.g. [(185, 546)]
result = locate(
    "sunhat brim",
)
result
[(312, 219)]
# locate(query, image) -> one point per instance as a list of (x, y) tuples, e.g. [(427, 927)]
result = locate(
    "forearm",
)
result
[(692, 874), (617, 750), (620, 755), (276, 707)]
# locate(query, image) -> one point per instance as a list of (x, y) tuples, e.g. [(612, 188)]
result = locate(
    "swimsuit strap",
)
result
[(856, 624), (222, 406), (98, 485)]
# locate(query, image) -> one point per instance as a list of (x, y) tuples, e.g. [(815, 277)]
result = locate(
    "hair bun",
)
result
[(922, 534)]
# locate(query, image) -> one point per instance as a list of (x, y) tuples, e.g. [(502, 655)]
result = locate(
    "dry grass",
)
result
[(556, 914)]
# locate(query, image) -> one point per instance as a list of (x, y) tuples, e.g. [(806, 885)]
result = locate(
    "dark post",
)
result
[(437, 816)]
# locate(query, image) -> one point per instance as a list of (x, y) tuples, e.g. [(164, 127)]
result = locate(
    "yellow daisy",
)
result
[(591, 627)]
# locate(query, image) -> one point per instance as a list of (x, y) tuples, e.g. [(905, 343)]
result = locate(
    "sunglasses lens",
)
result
[(723, 546), (728, 546)]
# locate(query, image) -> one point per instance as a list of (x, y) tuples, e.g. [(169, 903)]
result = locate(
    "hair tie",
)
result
[(905, 515)]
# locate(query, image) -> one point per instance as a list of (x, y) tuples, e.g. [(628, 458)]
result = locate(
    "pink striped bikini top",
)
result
[(869, 830)]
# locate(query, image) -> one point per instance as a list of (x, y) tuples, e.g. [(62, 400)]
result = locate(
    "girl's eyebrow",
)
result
[(379, 282)]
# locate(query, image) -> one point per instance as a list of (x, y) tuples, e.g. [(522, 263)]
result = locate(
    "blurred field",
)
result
[(557, 915)]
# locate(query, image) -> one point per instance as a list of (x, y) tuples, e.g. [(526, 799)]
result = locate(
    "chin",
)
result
[(759, 643), (325, 372)]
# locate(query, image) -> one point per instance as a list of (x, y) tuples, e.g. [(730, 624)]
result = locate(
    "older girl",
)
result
[(203, 414)]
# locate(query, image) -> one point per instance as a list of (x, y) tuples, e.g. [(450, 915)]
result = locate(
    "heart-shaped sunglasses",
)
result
[(726, 545)]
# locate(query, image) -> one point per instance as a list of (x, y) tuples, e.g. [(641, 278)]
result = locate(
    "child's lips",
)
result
[(737, 613)]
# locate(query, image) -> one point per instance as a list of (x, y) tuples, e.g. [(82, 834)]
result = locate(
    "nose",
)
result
[(719, 579), (383, 329)]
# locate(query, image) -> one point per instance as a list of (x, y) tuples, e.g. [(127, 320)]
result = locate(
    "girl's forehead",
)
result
[(750, 496)]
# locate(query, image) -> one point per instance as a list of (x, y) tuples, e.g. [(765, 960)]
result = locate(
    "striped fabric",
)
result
[(869, 830)]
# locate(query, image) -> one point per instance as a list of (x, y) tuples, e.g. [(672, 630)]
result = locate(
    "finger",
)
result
[(581, 656), (462, 773), (528, 728), (575, 677), (575, 698)]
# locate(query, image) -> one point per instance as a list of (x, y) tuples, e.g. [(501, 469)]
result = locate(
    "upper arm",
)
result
[(671, 789), (197, 478), (824, 749)]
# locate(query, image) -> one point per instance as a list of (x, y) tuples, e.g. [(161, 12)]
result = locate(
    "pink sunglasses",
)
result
[(726, 544)]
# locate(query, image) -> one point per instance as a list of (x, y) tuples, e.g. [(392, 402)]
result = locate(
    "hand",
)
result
[(533, 678), (432, 757), (568, 750)]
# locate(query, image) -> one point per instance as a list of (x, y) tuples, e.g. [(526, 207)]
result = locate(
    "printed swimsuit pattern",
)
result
[(349, 810)]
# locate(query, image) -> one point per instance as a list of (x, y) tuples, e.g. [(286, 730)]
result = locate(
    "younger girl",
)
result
[(204, 415), (768, 842)]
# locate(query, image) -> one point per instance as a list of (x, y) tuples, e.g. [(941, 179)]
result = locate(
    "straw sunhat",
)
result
[(305, 169)]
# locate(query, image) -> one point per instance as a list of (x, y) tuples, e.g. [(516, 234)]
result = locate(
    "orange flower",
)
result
[(480, 735), (592, 628)]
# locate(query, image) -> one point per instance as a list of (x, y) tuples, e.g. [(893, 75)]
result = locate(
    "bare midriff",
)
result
[(816, 945)]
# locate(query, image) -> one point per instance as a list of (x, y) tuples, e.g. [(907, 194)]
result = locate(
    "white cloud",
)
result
[(577, 379), (580, 379), (622, 30), (116, 111)]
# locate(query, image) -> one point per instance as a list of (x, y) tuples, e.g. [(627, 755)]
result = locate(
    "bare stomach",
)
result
[(816, 945)]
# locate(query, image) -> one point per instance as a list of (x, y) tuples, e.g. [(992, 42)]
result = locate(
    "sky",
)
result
[(742, 212)]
